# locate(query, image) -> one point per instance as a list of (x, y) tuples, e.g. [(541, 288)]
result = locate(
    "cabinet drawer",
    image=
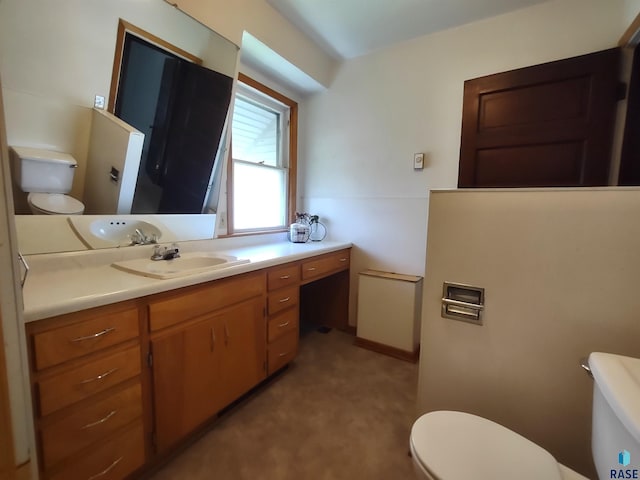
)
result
[(282, 351), (72, 341), (90, 424), (325, 265), (112, 460), (283, 276), (282, 324), (201, 300), (283, 298), (60, 390)]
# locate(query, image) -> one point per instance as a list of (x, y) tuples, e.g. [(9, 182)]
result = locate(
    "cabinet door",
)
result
[(201, 369), (243, 364), (186, 367)]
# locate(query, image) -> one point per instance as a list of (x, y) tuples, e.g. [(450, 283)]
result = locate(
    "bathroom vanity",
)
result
[(127, 369)]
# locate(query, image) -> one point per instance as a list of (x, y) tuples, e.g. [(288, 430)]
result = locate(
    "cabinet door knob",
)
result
[(213, 339)]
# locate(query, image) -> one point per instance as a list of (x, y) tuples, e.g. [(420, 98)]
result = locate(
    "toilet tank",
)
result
[(615, 434), (45, 171)]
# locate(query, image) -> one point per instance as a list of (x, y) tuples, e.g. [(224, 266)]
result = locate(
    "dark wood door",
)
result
[(199, 111), (548, 125)]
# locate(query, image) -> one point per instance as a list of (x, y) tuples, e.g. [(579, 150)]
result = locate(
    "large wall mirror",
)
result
[(55, 57)]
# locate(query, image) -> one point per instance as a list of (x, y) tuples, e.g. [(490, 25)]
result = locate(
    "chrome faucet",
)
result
[(165, 253), (139, 238)]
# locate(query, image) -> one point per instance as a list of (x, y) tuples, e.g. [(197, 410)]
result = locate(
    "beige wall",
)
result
[(561, 271), (359, 137), (231, 18)]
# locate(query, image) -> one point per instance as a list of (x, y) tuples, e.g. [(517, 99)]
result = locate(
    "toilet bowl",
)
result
[(448, 445), (46, 176), (54, 204)]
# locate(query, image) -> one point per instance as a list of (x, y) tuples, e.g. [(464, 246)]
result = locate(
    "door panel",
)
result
[(546, 125), (244, 331), (198, 115), (185, 380)]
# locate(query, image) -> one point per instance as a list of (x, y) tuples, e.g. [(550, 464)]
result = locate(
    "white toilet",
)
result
[(47, 177), (448, 445)]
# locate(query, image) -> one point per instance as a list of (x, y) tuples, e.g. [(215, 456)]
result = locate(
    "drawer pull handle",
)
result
[(283, 354), (286, 299), (106, 470), (98, 422), (282, 325), (95, 335), (343, 259), (285, 277), (311, 269), (99, 377)]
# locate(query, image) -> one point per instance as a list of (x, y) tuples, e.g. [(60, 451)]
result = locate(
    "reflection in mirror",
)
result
[(56, 57), (180, 105)]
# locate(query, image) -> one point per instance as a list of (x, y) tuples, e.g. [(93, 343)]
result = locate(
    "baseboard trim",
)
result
[(388, 350)]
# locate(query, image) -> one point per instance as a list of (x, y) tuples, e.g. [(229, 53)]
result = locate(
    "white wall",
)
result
[(231, 18), (55, 56), (560, 269), (359, 137)]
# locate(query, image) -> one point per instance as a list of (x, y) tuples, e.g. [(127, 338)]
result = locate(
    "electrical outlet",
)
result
[(99, 102), (418, 161)]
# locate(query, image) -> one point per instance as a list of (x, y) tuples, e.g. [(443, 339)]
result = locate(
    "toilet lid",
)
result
[(56, 203), (459, 446)]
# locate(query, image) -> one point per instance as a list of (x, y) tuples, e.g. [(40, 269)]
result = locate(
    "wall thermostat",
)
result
[(418, 161)]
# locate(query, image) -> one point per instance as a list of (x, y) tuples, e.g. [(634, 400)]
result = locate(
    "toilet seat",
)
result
[(55, 203), (458, 446)]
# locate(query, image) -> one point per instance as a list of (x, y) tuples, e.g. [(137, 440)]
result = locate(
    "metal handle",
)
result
[(99, 377), (95, 335), (26, 270), (343, 259), (459, 303), (584, 363), (285, 277), (282, 325), (311, 269), (283, 354), (98, 422), (282, 300), (106, 470)]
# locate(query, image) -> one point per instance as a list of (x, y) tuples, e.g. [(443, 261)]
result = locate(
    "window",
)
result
[(261, 189)]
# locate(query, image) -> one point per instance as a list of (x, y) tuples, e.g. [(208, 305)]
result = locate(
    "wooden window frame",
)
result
[(292, 179)]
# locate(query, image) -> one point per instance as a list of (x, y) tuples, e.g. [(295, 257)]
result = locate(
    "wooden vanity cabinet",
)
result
[(87, 388), (115, 388), (209, 357), (283, 308)]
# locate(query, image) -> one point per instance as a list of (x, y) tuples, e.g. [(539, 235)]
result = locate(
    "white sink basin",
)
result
[(112, 232), (187, 264)]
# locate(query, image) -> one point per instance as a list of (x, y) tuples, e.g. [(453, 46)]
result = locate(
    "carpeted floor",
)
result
[(338, 412)]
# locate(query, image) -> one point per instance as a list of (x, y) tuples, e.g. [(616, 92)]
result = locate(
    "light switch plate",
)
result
[(418, 161), (99, 102)]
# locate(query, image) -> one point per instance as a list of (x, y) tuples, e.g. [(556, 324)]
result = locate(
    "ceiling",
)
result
[(350, 28)]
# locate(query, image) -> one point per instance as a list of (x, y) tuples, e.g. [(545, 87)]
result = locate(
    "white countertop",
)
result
[(68, 282)]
